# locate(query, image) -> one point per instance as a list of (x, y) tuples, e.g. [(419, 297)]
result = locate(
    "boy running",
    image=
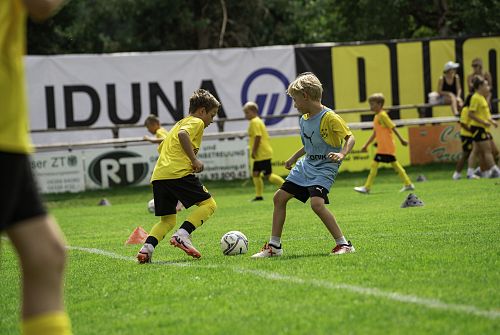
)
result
[(326, 140), (260, 149), (383, 128), (173, 178)]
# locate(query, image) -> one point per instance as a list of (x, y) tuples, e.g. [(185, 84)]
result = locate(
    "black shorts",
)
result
[(19, 197), (188, 190), (303, 193), (466, 143), (265, 165), (383, 158), (479, 134)]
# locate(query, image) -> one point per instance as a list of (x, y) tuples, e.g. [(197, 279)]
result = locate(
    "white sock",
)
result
[(495, 168), (149, 247), (456, 174), (275, 240), (470, 172), (341, 240)]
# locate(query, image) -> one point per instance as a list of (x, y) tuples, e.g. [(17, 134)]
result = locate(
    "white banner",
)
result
[(122, 89), (80, 170), (58, 171), (224, 160)]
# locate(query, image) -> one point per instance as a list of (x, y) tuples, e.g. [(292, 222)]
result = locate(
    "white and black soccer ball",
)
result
[(151, 206), (234, 243)]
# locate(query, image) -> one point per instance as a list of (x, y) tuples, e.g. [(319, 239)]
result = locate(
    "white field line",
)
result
[(375, 292)]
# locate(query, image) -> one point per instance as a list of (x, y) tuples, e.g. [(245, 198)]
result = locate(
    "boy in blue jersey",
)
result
[(326, 140)]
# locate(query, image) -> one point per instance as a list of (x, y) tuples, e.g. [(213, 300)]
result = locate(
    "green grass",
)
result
[(444, 255)]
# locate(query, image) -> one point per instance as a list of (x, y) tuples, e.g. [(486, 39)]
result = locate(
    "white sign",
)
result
[(58, 172), (110, 167), (224, 160), (123, 89)]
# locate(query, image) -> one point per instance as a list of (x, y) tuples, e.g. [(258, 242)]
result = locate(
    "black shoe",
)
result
[(257, 199)]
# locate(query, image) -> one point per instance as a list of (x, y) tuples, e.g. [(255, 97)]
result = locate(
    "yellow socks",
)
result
[(276, 180), (401, 172), (159, 230), (372, 175), (259, 185), (53, 323), (201, 214)]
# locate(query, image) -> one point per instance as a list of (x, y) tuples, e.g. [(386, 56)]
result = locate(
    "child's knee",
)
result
[(317, 204), (210, 204)]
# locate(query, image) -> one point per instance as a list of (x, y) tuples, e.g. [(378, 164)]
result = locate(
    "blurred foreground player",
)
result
[(34, 234)]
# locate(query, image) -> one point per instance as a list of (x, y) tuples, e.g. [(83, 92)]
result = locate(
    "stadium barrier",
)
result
[(78, 166)]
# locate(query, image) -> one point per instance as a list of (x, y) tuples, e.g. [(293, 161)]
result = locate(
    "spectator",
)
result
[(449, 88), (477, 70)]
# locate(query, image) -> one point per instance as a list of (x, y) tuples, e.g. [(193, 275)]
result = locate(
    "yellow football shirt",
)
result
[(14, 125), (258, 128), (383, 125), (464, 118), (161, 133), (173, 163), (333, 129), (479, 106)]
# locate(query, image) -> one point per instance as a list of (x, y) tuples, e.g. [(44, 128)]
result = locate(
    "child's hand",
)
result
[(404, 142), (289, 163), (336, 156), (364, 149), (197, 165)]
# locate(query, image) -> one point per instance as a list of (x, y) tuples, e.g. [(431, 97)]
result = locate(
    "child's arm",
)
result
[(370, 140), (339, 156), (401, 139), (256, 144), (472, 116), (186, 145), (294, 158)]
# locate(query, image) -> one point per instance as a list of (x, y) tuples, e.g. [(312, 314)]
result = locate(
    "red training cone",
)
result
[(138, 236)]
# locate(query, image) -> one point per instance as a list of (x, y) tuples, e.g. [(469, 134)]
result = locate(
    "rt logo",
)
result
[(267, 80), (118, 168)]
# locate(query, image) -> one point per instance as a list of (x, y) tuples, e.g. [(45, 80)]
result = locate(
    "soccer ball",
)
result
[(234, 243), (151, 206)]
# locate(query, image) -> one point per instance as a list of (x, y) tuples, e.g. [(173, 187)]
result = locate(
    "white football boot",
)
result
[(269, 250)]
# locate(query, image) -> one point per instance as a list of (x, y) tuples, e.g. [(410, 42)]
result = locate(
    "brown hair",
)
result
[(202, 98), (151, 119), (377, 97)]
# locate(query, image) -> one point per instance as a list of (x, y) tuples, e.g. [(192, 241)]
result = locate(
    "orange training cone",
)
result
[(138, 236)]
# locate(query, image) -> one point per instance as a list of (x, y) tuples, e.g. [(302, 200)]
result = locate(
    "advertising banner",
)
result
[(59, 171), (92, 91), (436, 143)]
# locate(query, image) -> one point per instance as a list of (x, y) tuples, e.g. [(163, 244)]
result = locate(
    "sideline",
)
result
[(409, 299)]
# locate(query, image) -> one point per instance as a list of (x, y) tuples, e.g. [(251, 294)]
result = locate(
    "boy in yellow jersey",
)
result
[(326, 140), (383, 128), (153, 125), (23, 217), (467, 141), (481, 121), (174, 178), (260, 150)]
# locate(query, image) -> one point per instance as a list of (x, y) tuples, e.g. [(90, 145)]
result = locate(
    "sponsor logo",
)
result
[(278, 103), (316, 157), (118, 168)]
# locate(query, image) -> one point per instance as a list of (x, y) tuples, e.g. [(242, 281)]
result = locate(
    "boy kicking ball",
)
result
[(174, 179), (326, 140)]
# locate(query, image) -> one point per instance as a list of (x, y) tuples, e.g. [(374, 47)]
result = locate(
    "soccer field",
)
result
[(422, 270)]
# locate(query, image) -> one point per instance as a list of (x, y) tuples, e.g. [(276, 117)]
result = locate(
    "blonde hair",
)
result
[(377, 97), (251, 106), (308, 83), (151, 119), (202, 98)]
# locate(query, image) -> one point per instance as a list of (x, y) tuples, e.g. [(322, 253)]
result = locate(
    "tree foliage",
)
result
[(104, 26)]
